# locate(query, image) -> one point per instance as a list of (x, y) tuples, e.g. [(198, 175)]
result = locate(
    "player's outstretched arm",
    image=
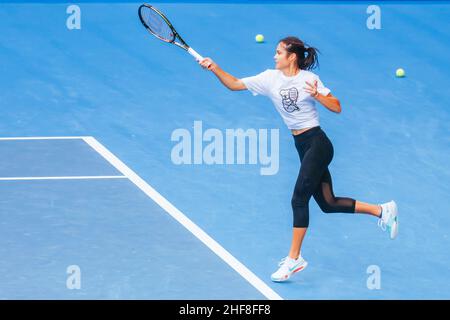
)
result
[(227, 79)]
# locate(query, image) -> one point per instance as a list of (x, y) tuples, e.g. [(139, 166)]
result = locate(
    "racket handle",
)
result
[(195, 54)]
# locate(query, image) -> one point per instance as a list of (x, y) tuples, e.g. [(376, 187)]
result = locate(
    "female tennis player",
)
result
[(294, 91)]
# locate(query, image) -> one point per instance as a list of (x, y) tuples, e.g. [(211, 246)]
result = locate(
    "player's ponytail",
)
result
[(307, 57)]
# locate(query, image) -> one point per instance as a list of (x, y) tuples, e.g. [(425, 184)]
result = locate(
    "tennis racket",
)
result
[(158, 25)]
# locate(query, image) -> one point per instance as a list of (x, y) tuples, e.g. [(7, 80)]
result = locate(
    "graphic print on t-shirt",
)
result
[(289, 98)]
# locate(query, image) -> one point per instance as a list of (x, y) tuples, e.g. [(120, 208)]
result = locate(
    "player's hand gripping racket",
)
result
[(158, 25)]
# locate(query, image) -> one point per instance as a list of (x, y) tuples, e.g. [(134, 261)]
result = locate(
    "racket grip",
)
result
[(195, 54)]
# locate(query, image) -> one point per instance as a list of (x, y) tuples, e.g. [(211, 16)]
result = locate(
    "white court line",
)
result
[(62, 178), (185, 221), (41, 138)]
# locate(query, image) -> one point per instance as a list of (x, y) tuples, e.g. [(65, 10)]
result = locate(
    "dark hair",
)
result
[(307, 57)]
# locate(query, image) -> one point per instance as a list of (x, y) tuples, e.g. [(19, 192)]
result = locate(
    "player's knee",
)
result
[(298, 201), (300, 197), (327, 207)]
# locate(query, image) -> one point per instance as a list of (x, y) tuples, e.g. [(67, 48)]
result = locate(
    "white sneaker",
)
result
[(389, 218), (288, 267)]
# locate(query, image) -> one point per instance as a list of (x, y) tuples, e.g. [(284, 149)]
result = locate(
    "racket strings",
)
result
[(157, 24)]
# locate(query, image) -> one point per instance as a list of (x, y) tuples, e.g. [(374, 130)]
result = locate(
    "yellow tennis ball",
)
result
[(259, 38), (400, 73)]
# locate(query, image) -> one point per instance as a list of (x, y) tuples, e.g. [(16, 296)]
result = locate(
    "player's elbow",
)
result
[(237, 85)]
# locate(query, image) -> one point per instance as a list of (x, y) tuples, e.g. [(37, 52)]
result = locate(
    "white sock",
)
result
[(291, 260)]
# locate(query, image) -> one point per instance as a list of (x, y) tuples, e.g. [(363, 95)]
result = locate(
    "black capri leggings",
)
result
[(314, 179)]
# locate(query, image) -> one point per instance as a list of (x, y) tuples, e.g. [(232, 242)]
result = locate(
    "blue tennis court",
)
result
[(87, 172)]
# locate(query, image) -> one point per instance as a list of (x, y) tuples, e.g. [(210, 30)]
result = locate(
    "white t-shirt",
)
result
[(295, 105)]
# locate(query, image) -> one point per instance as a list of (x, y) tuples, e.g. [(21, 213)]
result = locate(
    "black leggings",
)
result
[(314, 179)]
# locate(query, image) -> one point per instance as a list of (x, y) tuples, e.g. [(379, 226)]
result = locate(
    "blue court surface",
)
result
[(94, 206)]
